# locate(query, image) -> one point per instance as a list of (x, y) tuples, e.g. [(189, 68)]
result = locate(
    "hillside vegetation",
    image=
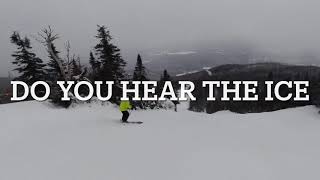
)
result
[(256, 72)]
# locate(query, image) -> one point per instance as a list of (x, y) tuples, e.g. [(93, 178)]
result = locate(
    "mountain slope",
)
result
[(256, 71), (38, 141)]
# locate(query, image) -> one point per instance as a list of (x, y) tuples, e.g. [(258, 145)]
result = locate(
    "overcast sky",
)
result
[(277, 25)]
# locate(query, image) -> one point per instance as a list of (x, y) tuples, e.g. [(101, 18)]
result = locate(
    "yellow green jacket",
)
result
[(125, 105)]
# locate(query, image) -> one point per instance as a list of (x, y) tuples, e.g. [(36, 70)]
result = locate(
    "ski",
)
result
[(133, 122)]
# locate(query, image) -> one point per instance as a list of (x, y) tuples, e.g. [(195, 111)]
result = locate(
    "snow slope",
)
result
[(40, 142)]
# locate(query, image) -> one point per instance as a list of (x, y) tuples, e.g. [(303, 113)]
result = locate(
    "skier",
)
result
[(125, 106)]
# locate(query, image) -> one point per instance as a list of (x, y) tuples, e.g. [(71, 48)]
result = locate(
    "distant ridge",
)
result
[(252, 72)]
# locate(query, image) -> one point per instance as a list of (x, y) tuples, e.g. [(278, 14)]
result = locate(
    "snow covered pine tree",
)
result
[(30, 67)]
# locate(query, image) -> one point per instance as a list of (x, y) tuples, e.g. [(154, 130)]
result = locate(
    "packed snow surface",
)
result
[(87, 142)]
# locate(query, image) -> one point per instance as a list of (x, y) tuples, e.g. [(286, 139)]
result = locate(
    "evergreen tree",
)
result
[(165, 76), (75, 67), (95, 65), (29, 65), (53, 67), (139, 73), (270, 76), (108, 54)]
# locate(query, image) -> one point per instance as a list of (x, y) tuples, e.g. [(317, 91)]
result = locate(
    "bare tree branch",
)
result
[(48, 37)]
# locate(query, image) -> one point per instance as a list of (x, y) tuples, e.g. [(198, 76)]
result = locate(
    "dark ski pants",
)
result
[(125, 116)]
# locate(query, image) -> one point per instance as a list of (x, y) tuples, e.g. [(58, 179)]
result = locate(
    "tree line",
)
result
[(261, 72), (106, 64)]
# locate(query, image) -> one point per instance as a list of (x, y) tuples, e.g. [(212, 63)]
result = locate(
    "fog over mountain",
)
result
[(286, 30)]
